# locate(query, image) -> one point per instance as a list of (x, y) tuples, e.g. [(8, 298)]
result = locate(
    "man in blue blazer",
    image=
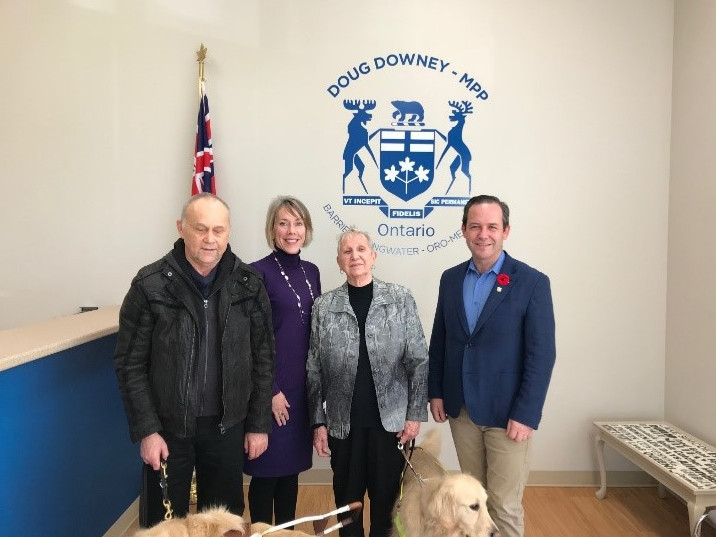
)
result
[(492, 351)]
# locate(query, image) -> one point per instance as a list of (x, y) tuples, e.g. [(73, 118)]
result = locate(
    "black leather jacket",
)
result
[(157, 347)]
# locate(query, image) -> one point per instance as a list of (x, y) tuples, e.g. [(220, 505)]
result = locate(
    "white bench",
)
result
[(678, 461)]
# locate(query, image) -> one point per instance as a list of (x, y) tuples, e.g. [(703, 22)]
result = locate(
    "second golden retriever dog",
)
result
[(444, 505), (214, 522)]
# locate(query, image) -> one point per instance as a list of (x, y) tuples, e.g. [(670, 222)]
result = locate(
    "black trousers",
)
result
[(273, 496), (367, 460), (218, 459)]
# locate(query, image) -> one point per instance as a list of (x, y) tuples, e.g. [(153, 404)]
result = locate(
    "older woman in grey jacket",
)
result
[(367, 363)]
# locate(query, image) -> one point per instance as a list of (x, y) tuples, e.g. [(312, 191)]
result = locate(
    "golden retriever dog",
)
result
[(444, 505), (217, 522), (214, 522)]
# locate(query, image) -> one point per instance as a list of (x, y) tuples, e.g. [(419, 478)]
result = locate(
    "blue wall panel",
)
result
[(67, 467)]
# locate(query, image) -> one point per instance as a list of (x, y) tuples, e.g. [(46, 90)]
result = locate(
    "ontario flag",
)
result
[(203, 180)]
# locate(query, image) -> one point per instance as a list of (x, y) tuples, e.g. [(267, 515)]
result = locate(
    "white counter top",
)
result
[(27, 343)]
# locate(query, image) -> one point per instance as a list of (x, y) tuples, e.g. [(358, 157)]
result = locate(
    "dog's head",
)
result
[(459, 504)]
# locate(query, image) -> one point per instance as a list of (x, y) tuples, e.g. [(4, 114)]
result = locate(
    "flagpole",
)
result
[(200, 57), (203, 178)]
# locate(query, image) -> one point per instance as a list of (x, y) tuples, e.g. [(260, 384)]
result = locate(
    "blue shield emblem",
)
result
[(407, 161)]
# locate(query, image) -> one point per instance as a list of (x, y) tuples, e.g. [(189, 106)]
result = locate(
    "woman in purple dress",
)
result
[(292, 286)]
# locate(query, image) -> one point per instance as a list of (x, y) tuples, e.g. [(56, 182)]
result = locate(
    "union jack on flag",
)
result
[(203, 180)]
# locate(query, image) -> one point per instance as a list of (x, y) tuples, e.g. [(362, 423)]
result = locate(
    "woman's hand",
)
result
[(409, 432), (279, 407), (320, 441)]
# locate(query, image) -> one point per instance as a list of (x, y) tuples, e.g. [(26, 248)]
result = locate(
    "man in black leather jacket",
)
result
[(195, 365)]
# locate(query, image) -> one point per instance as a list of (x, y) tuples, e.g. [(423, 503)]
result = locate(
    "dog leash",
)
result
[(397, 521), (400, 529), (401, 448), (165, 492), (321, 521)]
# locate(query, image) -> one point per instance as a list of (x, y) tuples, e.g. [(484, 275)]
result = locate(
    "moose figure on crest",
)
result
[(454, 140), (357, 139)]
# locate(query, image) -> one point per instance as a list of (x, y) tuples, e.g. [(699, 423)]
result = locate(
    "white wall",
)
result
[(99, 109), (691, 308)]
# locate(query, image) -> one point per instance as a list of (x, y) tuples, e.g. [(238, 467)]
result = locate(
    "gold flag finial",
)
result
[(201, 53), (200, 57)]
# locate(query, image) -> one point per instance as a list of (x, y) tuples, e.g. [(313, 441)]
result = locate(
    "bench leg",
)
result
[(602, 492), (696, 509)]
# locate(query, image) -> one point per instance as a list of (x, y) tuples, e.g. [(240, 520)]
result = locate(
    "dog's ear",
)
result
[(238, 533), (443, 505)]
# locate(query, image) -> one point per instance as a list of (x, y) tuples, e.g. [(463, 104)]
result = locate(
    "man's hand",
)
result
[(438, 410), (153, 449), (518, 432), (409, 432), (255, 444), (320, 441)]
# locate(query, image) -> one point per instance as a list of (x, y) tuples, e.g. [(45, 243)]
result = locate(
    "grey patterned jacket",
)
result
[(396, 348)]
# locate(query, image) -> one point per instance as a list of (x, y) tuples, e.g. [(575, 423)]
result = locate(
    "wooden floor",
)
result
[(625, 512), (565, 512), (570, 512)]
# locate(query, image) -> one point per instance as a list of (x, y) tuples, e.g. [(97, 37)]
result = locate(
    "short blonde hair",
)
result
[(350, 232), (295, 206)]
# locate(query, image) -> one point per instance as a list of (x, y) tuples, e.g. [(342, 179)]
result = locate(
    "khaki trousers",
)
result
[(501, 465)]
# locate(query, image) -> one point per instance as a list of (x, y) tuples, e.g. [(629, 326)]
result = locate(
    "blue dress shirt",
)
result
[(476, 288)]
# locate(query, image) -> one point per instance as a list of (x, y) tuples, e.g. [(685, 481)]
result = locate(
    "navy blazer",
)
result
[(502, 369)]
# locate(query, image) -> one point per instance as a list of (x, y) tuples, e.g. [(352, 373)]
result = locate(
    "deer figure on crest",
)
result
[(454, 140), (357, 139)]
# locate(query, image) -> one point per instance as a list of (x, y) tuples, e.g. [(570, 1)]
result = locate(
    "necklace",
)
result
[(298, 297)]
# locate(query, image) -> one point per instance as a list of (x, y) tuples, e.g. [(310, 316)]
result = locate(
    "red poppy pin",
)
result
[(502, 279)]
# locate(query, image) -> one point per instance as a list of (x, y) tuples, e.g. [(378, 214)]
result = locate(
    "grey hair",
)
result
[(351, 232), (295, 206), (201, 196)]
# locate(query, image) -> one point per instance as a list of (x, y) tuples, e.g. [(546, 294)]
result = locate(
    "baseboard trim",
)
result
[(128, 519), (316, 476), (635, 478), (538, 478)]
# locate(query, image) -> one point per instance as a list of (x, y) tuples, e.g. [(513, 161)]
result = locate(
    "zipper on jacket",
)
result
[(221, 357), (190, 365), (206, 354)]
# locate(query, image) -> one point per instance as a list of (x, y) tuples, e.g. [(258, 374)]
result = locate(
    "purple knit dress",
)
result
[(290, 447)]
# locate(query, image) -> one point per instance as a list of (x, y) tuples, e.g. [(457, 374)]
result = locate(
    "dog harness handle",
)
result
[(354, 510)]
